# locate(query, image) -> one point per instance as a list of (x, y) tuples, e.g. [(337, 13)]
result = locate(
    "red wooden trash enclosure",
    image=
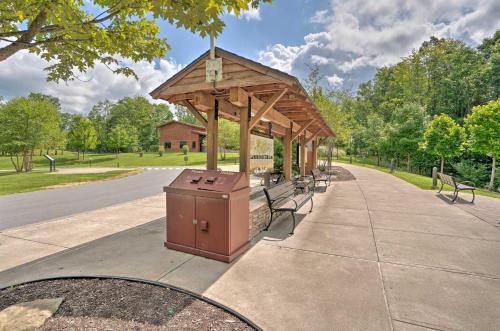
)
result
[(207, 213)]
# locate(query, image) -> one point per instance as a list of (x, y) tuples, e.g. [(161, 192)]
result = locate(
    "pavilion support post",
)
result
[(287, 154), (314, 161), (245, 114), (302, 157), (212, 135)]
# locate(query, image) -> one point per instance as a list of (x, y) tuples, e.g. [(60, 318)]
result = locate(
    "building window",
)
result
[(167, 145), (193, 145), (182, 143)]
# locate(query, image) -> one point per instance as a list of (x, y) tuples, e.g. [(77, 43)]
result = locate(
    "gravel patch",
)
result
[(111, 304)]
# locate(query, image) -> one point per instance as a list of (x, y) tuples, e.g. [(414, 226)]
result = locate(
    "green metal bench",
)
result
[(457, 186), (320, 177), (283, 198)]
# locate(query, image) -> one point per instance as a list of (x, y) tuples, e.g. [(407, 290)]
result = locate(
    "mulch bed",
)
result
[(111, 304), (340, 174)]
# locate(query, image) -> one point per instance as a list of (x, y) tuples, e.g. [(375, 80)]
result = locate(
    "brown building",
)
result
[(175, 134)]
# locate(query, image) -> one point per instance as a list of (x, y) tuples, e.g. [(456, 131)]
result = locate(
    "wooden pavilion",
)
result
[(258, 97)]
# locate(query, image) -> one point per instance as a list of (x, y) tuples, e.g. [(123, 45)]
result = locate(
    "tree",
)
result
[(184, 115), (484, 129), (228, 137), (74, 38), (141, 117), (27, 123), (118, 138), (99, 116), (50, 98), (406, 130), (82, 135), (443, 137)]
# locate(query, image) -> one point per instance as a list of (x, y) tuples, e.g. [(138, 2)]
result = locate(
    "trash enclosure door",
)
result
[(212, 230), (180, 216)]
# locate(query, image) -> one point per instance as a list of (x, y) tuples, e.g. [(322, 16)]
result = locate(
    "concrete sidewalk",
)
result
[(376, 253), (30, 242)]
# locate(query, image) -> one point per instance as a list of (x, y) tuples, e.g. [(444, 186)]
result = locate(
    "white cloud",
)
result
[(250, 14), (335, 80), (23, 73), (320, 17), (320, 60), (360, 36)]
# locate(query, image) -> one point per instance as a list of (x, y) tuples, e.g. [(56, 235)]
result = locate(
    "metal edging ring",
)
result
[(149, 282)]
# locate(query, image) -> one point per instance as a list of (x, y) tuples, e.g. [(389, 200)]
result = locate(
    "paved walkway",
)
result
[(33, 207), (375, 254)]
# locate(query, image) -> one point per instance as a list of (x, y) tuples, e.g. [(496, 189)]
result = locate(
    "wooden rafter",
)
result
[(302, 129), (313, 135), (195, 113), (266, 107), (239, 96)]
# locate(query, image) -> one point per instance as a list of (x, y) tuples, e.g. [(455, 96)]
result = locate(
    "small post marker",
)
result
[(434, 177)]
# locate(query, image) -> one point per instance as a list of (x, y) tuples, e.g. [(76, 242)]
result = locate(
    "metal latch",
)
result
[(195, 221)]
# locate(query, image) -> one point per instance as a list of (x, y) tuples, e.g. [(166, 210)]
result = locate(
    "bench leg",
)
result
[(441, 187), (310, 210), (270, 221), (293, 218), (473, 196), (455, 196)]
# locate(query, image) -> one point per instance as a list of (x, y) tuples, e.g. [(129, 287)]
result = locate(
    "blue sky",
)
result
[(347, 39), (283, 21)]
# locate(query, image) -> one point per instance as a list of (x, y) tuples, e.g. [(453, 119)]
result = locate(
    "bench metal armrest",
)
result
[(282, 199), (468, 182)]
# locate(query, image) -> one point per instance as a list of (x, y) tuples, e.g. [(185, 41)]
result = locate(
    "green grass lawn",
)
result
[(69, 159), (11, 182), (423, 182)]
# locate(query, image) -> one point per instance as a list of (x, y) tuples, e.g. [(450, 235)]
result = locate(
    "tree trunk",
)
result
[(442, 164), (493, 170), (337, 152), (78, 155), (83, 155), (408, 165), (378, 159)]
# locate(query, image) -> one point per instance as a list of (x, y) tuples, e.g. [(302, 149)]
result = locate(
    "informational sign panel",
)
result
[(261, 154)]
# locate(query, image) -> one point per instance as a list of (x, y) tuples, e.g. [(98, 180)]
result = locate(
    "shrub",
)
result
[(160, 152), (185, 149), (473, 171)]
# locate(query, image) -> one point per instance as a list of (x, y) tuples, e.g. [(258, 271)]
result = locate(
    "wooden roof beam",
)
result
[(203, 101), (302, 129), (266, 107), (239, 97), (314, 135), (195, 113)]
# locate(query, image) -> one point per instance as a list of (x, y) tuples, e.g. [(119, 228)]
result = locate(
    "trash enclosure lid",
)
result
[(209, 180)]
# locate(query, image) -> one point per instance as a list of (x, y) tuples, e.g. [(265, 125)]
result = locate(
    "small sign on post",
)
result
[(213, 70), (52, 162)]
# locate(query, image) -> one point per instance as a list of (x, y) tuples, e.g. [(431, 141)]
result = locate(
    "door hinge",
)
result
[(195, 221)]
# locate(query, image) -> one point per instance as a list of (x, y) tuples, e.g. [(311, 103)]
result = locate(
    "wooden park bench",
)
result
[(457, 186), (283, 198), (320, 177)]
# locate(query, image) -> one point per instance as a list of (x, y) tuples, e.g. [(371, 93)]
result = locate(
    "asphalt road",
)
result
[(32, 207)]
